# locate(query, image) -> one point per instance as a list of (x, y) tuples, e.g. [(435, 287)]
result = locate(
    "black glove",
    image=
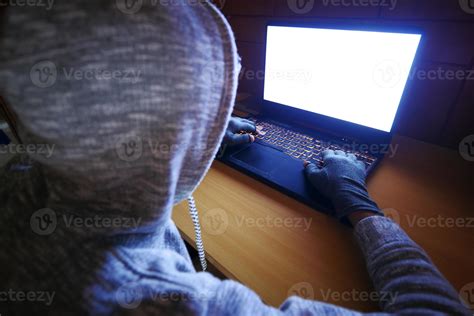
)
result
[(342, 180), (238, 131)]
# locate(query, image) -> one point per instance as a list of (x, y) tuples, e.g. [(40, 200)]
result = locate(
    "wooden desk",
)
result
[(254, 234)]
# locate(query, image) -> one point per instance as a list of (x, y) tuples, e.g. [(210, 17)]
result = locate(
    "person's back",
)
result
[(134, 106), (69, 223)]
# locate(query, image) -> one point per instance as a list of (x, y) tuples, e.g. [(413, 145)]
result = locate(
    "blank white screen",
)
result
[(355, 76)]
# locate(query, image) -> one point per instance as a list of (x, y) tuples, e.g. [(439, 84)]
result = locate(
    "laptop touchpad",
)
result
[(262, 158)]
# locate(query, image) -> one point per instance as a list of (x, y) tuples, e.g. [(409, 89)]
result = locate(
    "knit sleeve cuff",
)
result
[(373, 232)]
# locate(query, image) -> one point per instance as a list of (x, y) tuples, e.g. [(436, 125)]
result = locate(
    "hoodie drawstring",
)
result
[(197, 230)]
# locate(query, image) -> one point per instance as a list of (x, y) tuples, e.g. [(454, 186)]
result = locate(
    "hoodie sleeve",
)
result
[(203, 294), (240, 300), (399, 267)]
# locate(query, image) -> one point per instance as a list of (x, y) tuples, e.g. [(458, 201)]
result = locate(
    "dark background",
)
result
[(439, 110)]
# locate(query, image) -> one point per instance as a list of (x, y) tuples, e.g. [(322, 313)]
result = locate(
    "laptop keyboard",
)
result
[(301, 146)]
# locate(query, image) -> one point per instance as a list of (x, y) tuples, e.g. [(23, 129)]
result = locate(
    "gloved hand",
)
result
[(235, 127), (342, 180)]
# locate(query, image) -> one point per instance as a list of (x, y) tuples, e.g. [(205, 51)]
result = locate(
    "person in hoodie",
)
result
[(88, 229)]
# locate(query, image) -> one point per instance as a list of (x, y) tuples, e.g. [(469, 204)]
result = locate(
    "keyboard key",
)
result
[(301, 146)]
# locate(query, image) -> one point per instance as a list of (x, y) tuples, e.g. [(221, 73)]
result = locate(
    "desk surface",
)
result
[(280, 247)]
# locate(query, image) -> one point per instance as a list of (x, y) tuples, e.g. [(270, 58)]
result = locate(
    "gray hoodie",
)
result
[(124, 105)]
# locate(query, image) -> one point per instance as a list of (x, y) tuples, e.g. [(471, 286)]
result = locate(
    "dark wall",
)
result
[(439, 109)]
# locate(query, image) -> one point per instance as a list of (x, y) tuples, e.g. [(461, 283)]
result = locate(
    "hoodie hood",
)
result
[(131, 103)]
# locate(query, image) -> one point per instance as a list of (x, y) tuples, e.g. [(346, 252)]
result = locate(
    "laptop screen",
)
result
[(354, 76)]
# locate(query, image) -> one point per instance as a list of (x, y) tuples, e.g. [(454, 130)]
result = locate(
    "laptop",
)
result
[(337, 88)]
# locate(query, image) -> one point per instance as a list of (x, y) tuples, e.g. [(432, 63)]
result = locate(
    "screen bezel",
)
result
[(337, 127)]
